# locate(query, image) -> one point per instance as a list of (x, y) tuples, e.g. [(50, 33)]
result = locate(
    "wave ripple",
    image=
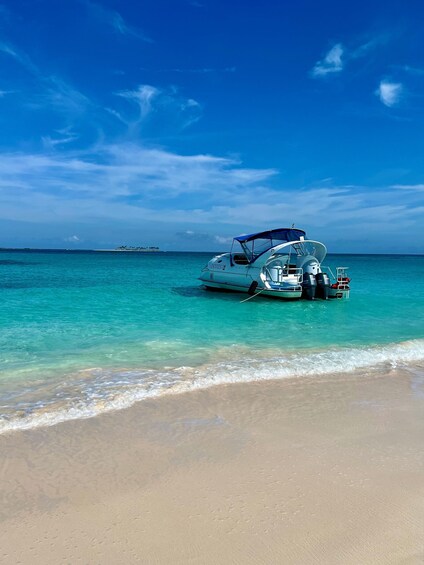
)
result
[(94, 391)]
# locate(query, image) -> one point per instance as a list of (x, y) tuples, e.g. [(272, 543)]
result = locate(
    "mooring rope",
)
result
[(253, 296)]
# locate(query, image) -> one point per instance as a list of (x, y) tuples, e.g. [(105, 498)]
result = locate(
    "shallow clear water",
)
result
[(86, 332)]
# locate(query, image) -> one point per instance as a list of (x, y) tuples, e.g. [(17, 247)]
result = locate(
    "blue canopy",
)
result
[(281, 234)]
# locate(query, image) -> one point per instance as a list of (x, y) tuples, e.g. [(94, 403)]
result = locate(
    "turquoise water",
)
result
[(85, 332)]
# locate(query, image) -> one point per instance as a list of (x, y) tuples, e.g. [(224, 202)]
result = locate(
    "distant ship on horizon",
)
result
[(150, 249)]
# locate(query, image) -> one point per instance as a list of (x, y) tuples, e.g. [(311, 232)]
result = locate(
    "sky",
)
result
[(183, 123)]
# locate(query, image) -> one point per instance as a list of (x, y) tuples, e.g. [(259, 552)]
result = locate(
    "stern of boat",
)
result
[(340, 287)]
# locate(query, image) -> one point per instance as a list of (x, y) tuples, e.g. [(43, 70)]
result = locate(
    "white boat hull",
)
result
[(284, 294), (338, 293)]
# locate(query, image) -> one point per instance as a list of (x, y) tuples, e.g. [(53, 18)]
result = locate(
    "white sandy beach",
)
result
[(327, 471)]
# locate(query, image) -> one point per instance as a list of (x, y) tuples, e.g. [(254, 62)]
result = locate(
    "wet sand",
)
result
[(324, 470)]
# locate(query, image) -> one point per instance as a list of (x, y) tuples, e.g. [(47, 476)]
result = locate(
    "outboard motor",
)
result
[(309, 286), (323, 285)]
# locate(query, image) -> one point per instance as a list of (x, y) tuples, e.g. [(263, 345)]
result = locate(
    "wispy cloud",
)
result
[(413, 187), (128, 184), (389, 93), (340, 55), (202, 237), (331, 63), (115, 20), (63, 96), (364, 48), (166, 104), (62, 137), (115, 171), (162, 110), (72, 239), (20, 57), (143, 96), (55, 91), (412, 70)]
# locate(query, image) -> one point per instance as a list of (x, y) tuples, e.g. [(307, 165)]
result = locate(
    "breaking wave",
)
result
[(94, 391)]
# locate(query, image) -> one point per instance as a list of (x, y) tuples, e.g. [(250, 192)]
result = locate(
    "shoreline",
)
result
[(90, 392), (314, 470)]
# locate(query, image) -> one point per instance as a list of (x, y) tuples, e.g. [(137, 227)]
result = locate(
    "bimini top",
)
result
[(280, 234), (255, 244)]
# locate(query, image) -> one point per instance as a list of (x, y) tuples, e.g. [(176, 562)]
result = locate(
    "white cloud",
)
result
[(332, 62), (117, 115), (72, 239), (143, 97), (339, 55), (108, 175), (191, 235), (62, 137), (389, 92), (416, 187), (167, 105), (116, 21), (129, 185), (223, 240), (64, 97)]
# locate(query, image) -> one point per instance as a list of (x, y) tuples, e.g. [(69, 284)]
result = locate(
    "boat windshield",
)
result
[(255, 245)]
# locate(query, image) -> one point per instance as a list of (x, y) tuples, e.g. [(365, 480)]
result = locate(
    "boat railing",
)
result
[(329, 272), (341, 273), (279, 275)]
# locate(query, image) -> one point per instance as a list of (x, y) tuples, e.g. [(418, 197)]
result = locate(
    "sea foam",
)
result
[(95, 391)]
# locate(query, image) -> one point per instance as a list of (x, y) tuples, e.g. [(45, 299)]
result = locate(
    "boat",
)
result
[(281, 263)]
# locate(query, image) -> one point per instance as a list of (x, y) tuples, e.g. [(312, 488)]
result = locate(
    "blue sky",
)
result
[(182, 123)]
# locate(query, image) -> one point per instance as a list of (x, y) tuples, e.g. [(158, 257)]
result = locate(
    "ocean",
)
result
[(83, 333)]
